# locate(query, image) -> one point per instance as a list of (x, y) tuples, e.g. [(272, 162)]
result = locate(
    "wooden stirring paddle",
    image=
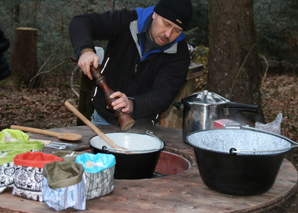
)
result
[(92, 126), (62, 136)]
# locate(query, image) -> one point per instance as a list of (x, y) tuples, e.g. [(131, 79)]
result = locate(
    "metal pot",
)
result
[(202, 109), (242, 161), (140, 158)]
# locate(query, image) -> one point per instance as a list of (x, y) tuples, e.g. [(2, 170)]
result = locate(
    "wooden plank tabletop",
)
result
[(183, 192)]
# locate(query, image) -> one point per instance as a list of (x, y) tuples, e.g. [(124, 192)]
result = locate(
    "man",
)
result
[(148, 57)]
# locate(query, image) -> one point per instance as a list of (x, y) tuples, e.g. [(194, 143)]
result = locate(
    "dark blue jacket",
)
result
[(152, 80)]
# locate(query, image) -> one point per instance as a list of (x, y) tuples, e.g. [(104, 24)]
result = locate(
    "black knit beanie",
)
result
[(177, 11)]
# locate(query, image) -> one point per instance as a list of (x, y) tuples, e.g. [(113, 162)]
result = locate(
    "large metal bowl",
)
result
[(238, 161), (140, 158)]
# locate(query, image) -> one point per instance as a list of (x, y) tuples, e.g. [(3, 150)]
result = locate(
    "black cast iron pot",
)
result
[(239, 161), (140, 158)]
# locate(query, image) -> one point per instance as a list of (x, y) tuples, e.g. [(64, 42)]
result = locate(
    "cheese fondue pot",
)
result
[(139, 159)]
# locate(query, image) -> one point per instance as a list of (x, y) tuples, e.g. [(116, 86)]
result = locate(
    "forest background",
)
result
[(276, 24)]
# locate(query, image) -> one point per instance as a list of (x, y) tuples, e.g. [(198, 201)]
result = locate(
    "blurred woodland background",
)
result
[(38, 100), (275, 23)]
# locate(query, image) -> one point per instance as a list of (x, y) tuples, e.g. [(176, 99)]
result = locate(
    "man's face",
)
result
[(162, 31)]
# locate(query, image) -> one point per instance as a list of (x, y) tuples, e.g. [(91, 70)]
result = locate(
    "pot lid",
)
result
[(206, 97)]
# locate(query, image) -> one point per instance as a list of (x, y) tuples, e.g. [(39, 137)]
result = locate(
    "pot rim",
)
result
[(121, 151), (233, 151)]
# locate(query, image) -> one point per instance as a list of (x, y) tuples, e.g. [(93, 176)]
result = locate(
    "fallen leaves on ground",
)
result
[(39, 108)]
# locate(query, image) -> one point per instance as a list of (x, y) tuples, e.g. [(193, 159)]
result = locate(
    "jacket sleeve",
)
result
[(87, 28), (170, 77)]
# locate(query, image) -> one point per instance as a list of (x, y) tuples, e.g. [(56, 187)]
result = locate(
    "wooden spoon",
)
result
[(92, 126), (62, 136)]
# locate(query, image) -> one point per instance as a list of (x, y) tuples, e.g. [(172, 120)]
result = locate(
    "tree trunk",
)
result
[(233, 71), (24, 56), (233, 59)]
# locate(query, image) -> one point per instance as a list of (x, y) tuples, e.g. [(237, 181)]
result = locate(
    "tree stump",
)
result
[(24, 56)]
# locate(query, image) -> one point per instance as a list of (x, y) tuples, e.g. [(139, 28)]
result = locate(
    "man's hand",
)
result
[(87, 58), (122, 102)]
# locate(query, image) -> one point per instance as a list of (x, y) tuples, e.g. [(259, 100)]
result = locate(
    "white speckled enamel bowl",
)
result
[(140, 158), (239, 161)]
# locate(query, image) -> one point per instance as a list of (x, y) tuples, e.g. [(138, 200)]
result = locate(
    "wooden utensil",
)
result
[(92, 126), (62, 136)]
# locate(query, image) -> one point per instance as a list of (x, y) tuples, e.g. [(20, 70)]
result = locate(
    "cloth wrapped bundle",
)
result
[(64, 185), (28, 174), (99, 172), (7, 170), (12, 143)]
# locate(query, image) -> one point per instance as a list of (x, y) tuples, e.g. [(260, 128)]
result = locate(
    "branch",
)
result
[(241, 68), (71, 81), (267, 66), (47, 71), (39, 71)]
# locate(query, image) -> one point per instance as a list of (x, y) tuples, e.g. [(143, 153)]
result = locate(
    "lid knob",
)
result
[(205, 96)]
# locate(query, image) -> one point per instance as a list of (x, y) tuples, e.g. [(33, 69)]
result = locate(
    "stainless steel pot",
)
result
[(239, 161), (202, 109)]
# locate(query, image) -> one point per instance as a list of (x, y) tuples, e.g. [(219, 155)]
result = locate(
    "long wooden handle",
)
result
[(30, 129), (91, 125)]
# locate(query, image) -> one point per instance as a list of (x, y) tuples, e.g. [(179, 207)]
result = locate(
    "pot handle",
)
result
[(104, 148), (148, 132), (235, 151), (178, 105), (239, 107)]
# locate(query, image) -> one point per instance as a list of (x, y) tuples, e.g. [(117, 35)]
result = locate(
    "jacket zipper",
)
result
[(136, 68)]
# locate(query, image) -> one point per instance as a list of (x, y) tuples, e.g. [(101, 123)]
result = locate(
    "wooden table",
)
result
[(183, 192)]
